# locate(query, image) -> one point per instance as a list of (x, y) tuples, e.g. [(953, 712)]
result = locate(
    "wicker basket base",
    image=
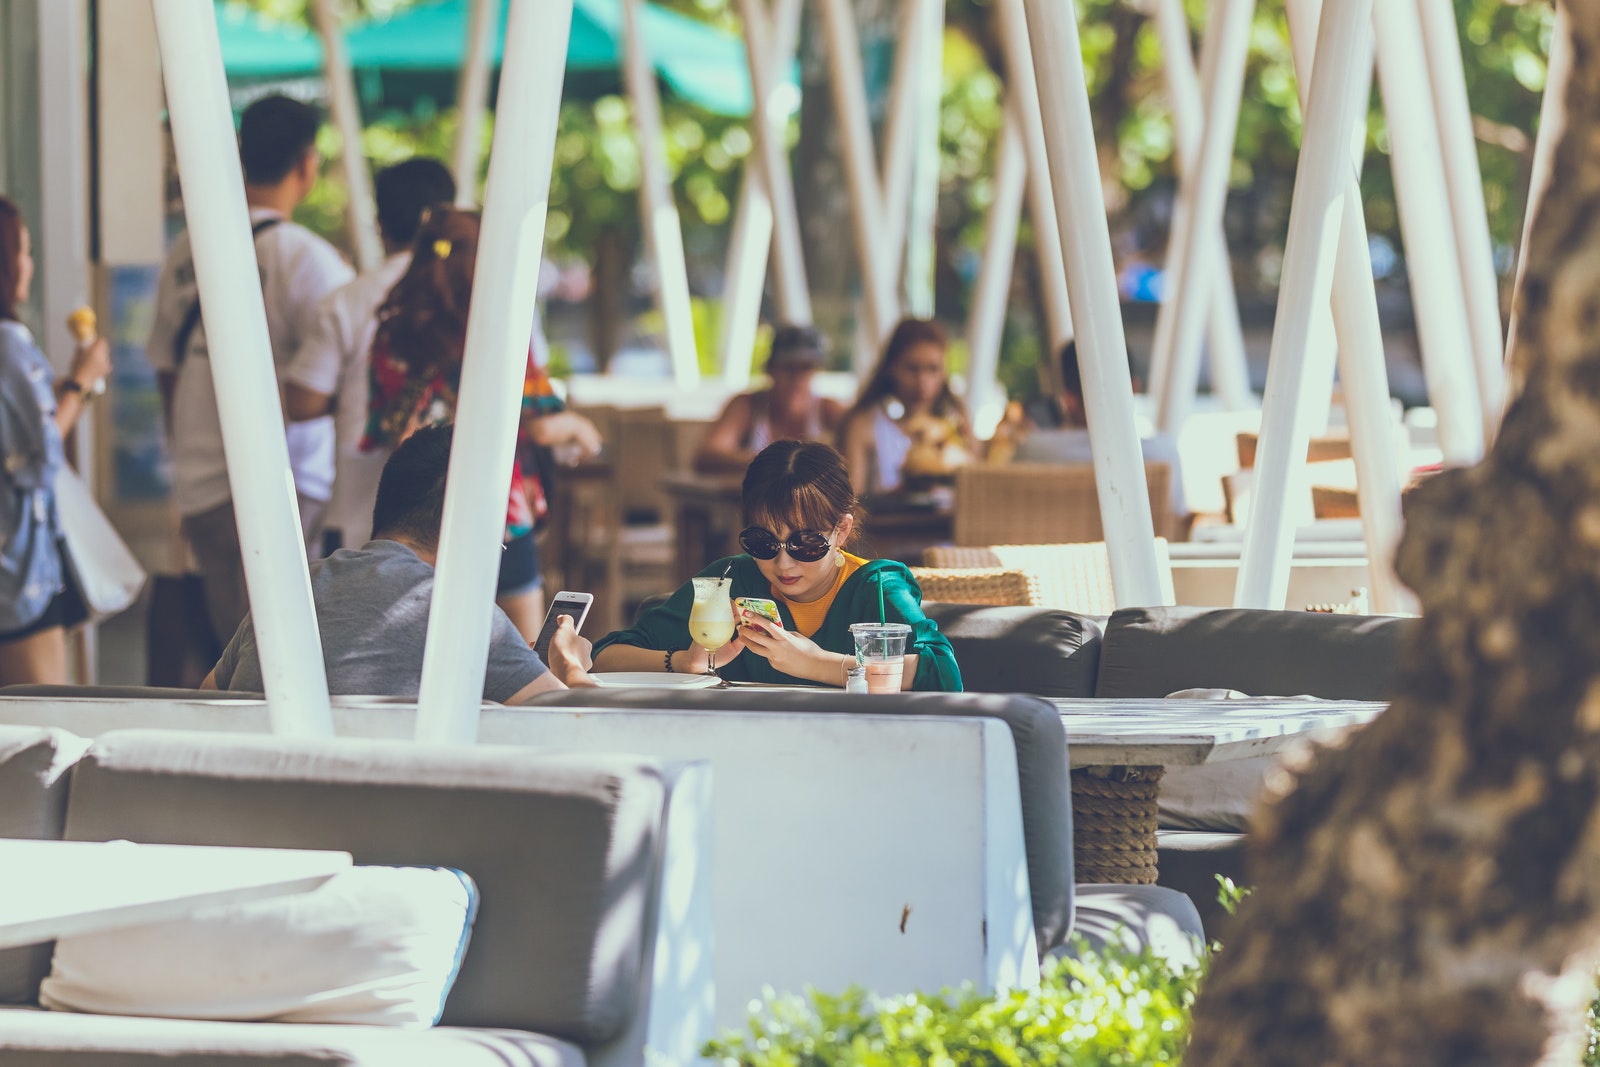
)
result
[(1114, 824)]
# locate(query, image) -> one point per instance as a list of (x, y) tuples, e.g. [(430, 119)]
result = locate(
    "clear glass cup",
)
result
[(881, 648), (711, 619)]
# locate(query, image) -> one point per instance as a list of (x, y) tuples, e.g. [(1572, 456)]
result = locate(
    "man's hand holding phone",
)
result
[(570, 655)]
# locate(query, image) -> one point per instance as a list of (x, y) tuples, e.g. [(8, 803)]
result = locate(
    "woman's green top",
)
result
[(667, 625)]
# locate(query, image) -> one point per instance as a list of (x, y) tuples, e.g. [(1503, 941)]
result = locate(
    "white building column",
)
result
[(1230, 371), (1552, 119), (1423, 199), (1198, 247), (1479, 282), (243, 371), (987, 320), (1023, 91), (472, 100), (1092, 285), (663, 230), (362, 212), (750, 241), (499, 325), (861, 174), (1323, 192)]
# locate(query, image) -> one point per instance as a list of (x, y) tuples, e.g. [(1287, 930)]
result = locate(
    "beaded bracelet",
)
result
[(669, 661)]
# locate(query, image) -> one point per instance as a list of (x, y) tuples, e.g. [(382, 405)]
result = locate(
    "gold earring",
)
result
[(838, 558)]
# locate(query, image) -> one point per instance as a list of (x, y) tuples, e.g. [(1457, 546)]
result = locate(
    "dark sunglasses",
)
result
[(804, 546)]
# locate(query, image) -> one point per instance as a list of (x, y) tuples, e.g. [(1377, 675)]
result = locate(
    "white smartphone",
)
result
[(575, 605)]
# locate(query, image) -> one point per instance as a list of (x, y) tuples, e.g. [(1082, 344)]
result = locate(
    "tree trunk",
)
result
[(1418, 886)]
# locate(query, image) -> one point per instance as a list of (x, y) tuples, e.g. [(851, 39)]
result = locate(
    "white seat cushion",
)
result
[(1136, 917)]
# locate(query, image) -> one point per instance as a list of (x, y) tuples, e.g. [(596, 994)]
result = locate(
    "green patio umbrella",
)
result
[(700, 63)]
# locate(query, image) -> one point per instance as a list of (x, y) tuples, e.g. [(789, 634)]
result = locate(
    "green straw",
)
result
[(883, 616)]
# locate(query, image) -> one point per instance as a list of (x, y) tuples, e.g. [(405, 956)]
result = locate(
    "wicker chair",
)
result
[(994, 586), (1043, 503), (1072, 577)]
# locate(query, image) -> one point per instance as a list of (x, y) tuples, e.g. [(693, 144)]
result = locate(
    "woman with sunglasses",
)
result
[(800, 514)]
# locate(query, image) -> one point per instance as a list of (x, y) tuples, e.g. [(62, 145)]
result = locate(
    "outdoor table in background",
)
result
[(707, 516), (1119, 749), (52, 889)]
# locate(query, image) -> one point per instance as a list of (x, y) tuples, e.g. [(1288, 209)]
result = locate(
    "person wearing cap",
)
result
[(787, 410)]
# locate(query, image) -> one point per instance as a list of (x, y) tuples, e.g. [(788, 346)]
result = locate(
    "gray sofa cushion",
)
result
[(1041, 651), (34, 761), (1190, 860), (123, 692), (1137, 917), (1036, 730), (557, 843), (60, 1039), (1150, 652)]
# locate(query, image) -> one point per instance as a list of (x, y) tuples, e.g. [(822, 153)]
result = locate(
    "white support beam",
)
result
[(1423, 198), (771, 126), (900, 135), (1230, 371), (1198, 245), (132, 153), (750, 242), (1323, 192), (362, 212), (1479, 281), (1552, 119), (1023, 91), (242, 368), (1376, 446), (1092, 285), (499, 326), (663, 229), (987, 321), (861, 175), (922, 213), (472, 100)]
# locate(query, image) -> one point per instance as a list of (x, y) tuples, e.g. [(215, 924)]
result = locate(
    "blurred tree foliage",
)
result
[(597, 161)]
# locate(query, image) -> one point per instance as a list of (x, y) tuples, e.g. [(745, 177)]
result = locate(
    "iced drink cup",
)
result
[(881, 648)]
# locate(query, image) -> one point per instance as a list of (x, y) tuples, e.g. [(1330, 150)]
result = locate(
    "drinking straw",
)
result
[(883, 616)]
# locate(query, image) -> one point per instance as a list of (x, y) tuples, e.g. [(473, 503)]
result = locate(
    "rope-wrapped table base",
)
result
[(1114, 824)]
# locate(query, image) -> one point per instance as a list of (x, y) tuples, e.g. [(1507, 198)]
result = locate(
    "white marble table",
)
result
[(1186, 733), (1120, 749), (51, 889)]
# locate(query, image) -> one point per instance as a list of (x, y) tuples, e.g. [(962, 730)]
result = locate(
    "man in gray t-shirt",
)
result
[(372, 602)]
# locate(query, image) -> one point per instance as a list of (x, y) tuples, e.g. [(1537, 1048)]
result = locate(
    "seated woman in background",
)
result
[(909, 388), (800, 513), (786, 410)]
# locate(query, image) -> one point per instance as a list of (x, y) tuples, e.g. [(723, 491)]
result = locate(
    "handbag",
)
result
[(109, 577)]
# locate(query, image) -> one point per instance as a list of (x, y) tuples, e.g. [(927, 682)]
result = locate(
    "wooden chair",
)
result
[(1071, 577), (1043, 503), (995, 586)]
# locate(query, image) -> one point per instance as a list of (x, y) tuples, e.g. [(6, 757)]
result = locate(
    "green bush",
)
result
[(1109, 1008)]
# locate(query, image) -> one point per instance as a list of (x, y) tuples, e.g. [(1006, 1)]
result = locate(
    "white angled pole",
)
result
[(861, 174), (1479, 281), (499, 326), (242, 368), (663, 230), (1198, 247), (922, 213), (986, 324), (750, 241), (1023, 93), (1092, 284), (1423, 199), (1230, 371), (1375, 445), (362, 213), (770, 119), (1323, 191), (900, 135), (1552, 119), (472, 101)]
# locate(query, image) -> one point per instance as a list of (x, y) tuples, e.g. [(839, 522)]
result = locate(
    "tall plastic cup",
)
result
[(881, 648)]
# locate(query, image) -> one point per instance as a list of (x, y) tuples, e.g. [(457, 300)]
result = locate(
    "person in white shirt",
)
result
[(1069, 443), (328, 374), (277, 150)]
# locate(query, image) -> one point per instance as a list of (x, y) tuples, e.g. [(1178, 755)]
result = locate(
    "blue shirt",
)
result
[(30, 456)]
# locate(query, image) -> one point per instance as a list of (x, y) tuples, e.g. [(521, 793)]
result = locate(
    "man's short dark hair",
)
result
[(410, 500), (275, 133), (1071, 379), (405, 190)]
